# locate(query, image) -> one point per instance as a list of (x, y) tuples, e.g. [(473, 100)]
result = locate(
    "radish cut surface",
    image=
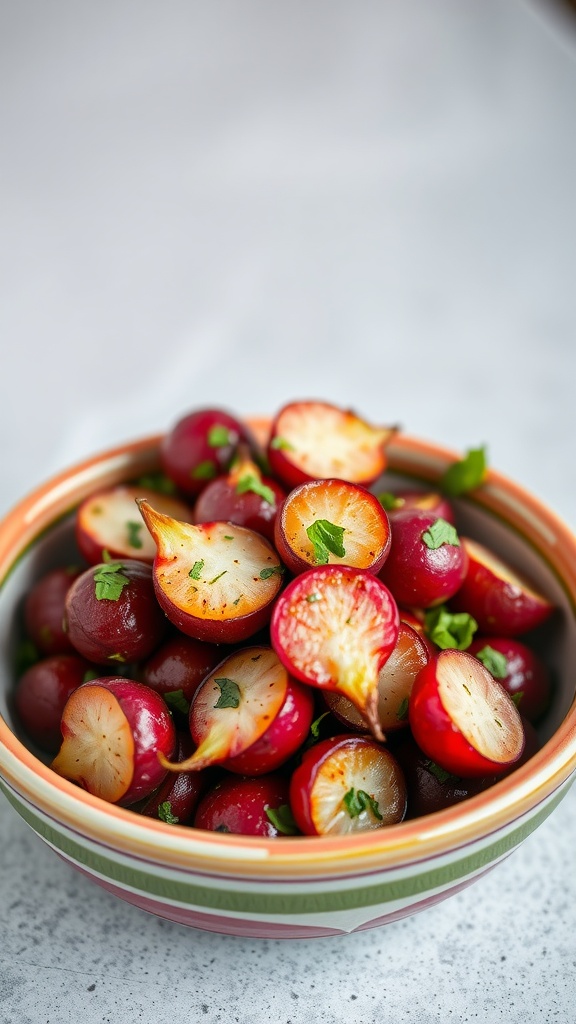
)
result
[(480, 708), (97, 749), (357, 767)]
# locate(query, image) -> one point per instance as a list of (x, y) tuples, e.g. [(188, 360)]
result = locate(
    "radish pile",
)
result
[(266, 642)]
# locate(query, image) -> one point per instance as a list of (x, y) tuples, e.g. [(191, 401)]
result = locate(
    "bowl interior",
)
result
[(528, 537)]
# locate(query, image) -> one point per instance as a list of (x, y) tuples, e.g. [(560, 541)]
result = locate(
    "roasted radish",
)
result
[(463, 719), (200, 447), (317, 440), (332, 522), (247, 806), (427, 563), (108, 523), (113, 732), (244, 496), (216, 581), (345, 785), (334, 627)]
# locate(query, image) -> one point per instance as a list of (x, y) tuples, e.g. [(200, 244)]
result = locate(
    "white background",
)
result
[(240, 203)]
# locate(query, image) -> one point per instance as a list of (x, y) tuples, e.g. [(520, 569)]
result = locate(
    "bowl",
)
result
[(295, 886)]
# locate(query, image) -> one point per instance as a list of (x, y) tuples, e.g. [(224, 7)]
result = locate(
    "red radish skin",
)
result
[(241, 805), (332, 769), (41, 693), (350, 507), (334, 627), (417, 574), (200, 447), (316, 440), (527, 679), (217, 581), (501, 600), (248, 715), (244, 497), (423, 501), (108, 523), (124, 627), (180, 664), (176, 799), (44, 611), (113, 733), (463, 719)]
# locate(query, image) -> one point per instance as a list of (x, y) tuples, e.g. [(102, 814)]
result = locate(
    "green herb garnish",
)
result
[(134, 529), (206, 470), (449, 629), (358, 800), (440, 532), (494, 661), (229, 693), (176, 700), (196, 569), (158, 482), (219, 576), (282, 819), (390, 501), (110, 581), (281, 444), (250, 482), (402, 713), (439, 773), (271, 570), (326, 539), (165, 813), (466, 474), (315, 727), (219, 436)]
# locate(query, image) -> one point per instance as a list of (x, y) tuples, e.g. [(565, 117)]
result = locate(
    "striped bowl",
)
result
[(292, 887)]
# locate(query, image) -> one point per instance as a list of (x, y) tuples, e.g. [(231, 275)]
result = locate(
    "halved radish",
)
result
[(345, 785), (244, 496), (112, 731), (216, 581), (312, 440), (248, 715), (108, 522), (395, 681), (332, 522), (499, 598), (334, 627), (462, 718)]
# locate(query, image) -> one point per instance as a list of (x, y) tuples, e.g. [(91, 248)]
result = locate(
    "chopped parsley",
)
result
[(134, 530), (494, 661), (465, 474), (251, 482), (219, 436), (326, 539), (229, 693), (358, 800), (165, 813), (206, 470), (439, 533), (449, 629), (176, 700), (281, 444), (110, 581), (282, 819), (196, 569), (271, 570)]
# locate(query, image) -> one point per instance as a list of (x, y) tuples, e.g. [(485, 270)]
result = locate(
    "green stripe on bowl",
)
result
[(284, 903)]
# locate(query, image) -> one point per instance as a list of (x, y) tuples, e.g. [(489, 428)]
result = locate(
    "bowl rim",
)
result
[(517, 796)]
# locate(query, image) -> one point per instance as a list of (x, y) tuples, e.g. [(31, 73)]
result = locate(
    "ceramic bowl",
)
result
[(299, 886)]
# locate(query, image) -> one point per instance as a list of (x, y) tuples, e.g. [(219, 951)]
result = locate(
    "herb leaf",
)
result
[(250, 482), (156, 482), (271, 570), (176, 700), (206, 470), (219, 436), (282, 819), (439, 773), (325, 538), (402, 712), (358, 800), (315, 727), (281, 444), (196, 569), (165, 813), (229, 693), (449, 629), (389, 501), (110, 581), (134, 530), (494, 661), (440, 532), (465, 474)]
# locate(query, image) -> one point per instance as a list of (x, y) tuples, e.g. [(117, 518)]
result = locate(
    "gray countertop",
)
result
[(240, 204)]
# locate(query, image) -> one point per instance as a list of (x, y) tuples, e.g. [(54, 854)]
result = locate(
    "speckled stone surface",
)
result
[(245, 203)]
